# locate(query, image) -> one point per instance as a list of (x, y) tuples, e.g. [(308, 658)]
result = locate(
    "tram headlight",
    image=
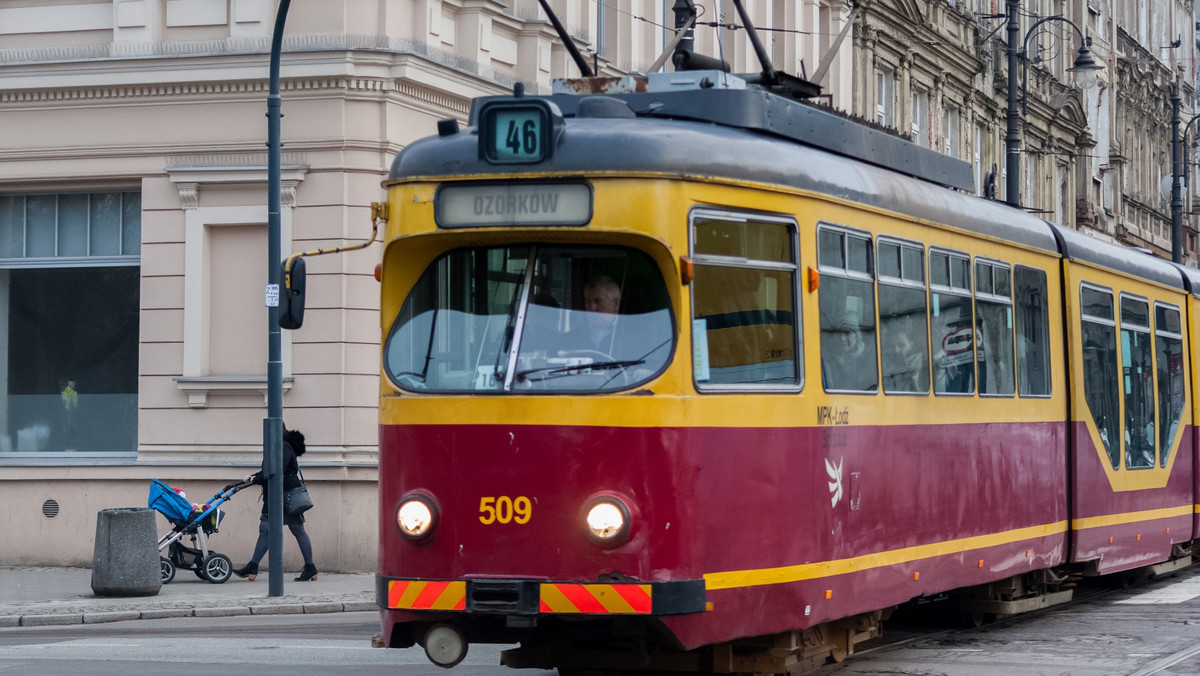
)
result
[(607, 521), (416, 516)]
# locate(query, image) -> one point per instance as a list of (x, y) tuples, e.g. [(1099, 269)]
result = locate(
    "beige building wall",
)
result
[(165, 100)]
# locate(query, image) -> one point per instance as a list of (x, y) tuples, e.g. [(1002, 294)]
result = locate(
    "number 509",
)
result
[(505, 510)]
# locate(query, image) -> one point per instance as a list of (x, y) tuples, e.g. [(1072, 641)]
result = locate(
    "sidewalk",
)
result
[(33, 597)]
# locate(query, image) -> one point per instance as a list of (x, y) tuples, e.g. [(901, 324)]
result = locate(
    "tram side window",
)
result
[(950, 320), (847, 304), (1100, 381), (1138, 373), (903, 330), (994, 328), (1168, 344), (743, 301), (1033, 340)]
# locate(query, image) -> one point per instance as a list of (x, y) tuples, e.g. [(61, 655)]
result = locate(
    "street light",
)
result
[(1085, 72), (1178, 142)]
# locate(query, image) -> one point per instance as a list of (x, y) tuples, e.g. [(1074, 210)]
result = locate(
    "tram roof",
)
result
[(1078, 246), (602, 136)]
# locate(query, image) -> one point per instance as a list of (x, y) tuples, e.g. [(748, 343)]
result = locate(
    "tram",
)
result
[(674, 378)]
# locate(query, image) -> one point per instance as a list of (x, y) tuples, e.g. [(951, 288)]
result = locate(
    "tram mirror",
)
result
[(291, 300)]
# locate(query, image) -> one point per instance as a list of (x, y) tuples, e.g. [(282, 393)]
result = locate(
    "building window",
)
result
[(920, 118), (952, 134), (885, 92), (69, 318)]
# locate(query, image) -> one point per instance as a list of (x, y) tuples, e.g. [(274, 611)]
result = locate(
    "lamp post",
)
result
[(273, 425), (1085, 70), (1178, 142)]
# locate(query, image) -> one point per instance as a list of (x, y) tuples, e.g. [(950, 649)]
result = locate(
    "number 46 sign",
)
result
[(516, 131)]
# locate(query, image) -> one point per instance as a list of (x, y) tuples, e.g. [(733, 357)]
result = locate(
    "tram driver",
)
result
[(598, 331)]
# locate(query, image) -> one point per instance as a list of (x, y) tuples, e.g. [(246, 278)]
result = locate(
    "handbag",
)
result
[(297, 500)]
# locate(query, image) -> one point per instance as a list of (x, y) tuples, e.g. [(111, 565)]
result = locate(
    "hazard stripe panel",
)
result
[(427, 594), (626, 599), (592, 599)]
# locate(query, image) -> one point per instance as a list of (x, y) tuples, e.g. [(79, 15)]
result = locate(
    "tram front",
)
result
[(529, 489)]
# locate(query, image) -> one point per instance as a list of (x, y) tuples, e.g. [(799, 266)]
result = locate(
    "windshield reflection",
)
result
[(533, 320)]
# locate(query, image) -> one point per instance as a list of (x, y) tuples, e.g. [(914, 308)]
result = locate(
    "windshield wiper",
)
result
[(559, 371)]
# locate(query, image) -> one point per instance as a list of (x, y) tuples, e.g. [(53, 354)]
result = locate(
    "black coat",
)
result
[(291, 478)]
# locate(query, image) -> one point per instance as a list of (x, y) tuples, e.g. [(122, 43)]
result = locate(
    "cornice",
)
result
[(346, 84)]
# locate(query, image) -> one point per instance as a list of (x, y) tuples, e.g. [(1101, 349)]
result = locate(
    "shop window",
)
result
[(69, 323)]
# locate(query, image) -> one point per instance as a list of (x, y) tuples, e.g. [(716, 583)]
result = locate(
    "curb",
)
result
[(101, 617)]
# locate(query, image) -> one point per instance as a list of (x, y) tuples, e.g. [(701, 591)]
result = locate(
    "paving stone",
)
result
[(10, 620), (282, 609), (111, 616), (50, 620), (221, 612), (161, 613), (359, 606), (322, 607)]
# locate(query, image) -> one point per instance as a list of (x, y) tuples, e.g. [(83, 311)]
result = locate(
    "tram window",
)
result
[(847, 305), (743, 302), (993, 329), (1100, 380), (903, 330), (1168, 343), (521, 319), (1033, 340), (1138, 374), (950, 321)]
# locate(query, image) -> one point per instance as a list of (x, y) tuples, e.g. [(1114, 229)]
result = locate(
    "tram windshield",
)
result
[(533, 319)]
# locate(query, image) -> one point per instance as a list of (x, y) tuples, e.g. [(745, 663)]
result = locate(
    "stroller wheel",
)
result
[(217, 568), (167, 568)]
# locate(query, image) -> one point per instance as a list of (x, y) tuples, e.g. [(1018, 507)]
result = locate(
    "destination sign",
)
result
[(498, 204)]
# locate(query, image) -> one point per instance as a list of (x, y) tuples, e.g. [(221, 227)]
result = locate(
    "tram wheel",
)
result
[(974, 619)]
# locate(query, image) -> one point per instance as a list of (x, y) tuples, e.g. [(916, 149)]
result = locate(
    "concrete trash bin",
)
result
[(125, 562)]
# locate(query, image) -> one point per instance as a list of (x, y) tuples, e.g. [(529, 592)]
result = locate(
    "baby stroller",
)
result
[(196, 521)]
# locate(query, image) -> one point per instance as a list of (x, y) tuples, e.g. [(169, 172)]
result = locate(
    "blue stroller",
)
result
[(197, 523)]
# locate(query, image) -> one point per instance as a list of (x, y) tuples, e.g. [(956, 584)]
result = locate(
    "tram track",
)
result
[(933, 628)]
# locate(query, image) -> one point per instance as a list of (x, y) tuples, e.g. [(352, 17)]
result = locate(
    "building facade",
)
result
[(1093, 159), (133, 229), (133, 202)]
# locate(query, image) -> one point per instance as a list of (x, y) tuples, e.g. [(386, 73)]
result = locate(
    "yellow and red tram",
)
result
[(828, 387)]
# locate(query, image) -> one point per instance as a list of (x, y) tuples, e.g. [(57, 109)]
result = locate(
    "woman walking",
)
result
[(293, 447)]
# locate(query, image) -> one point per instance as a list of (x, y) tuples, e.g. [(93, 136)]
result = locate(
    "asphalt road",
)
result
[(1150, 629), (279, 645)]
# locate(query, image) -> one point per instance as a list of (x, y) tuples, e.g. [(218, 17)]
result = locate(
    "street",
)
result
[(280, 645), (1147, 629)]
